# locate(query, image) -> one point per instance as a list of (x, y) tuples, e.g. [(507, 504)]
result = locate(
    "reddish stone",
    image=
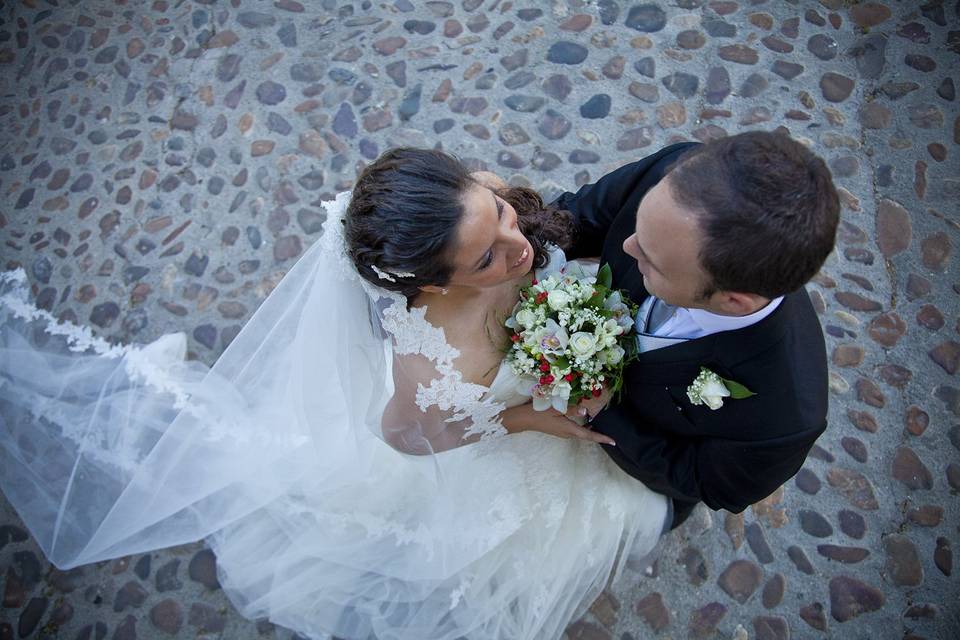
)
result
[(848, 355), (869, 393), (389, 46), (943, 556), (910, 470), (261, 147), (836, 87), (695, 565), (894, 230), (225, 38), (856, 302), (167, 616), (582, 630), (781, 46), (287, 247), (928, 515), (854, 487), (937, 151), (739, 53), (862, 420), (377, 119), (947, 355), (850, 597), (887, 329), (843, 555), (733, 526), (761, 20), (773, 591), (740, 579), (452, 28), (653, 612), (869, 14), (917, 286), (813, 615), (902, 567), (855, 447), (953, 475), (704, 621), (874, 115), (930, 317), (605, 608), (935, 250), (771, 628), (917, 420), (577, 22), (724, 7), (920, 179), (896, 375)]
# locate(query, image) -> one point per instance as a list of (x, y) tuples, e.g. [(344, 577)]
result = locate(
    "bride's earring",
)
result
[(444, 292)]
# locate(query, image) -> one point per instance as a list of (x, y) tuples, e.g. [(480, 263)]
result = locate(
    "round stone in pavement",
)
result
[(203, 569), (850, 597), (565, 52)]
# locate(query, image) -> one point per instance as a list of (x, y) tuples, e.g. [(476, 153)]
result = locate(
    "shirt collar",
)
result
[(715, 323)]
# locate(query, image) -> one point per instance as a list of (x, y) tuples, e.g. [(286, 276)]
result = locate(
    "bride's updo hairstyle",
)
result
[(404, 212)]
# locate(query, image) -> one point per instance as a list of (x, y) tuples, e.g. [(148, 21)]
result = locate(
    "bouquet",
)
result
[(571, 337)]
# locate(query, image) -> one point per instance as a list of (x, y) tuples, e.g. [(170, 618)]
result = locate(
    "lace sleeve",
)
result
[(432, 408)]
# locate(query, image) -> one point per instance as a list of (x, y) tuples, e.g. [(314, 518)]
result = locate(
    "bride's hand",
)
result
[(554, 423), (590, 408)]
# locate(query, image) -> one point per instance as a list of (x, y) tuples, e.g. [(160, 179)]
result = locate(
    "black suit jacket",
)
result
[(740, 453)]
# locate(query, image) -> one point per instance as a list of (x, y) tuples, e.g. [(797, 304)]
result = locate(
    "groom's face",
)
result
[(666, 245)]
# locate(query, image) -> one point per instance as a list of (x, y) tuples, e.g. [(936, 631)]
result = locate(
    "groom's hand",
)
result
[(554, 423)]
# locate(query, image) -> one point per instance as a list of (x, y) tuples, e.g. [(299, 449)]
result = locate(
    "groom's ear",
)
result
[(734, 303)]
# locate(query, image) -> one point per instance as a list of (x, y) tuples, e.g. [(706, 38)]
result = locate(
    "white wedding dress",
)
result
[(277, 457)]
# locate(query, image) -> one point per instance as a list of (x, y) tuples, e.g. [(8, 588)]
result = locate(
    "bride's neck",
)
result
[(469, 299)]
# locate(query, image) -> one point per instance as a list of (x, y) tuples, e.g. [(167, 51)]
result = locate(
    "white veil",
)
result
[(317, 479)]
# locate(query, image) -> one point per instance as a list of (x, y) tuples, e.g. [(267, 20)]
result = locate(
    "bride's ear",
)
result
[(434, 289)]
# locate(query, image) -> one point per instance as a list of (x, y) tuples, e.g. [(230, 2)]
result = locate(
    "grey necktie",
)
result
[(660, 313)]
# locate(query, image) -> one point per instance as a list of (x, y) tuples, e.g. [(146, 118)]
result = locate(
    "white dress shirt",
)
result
[(687, 324)]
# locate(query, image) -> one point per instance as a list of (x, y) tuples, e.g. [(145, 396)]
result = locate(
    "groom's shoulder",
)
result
[(662, 159)]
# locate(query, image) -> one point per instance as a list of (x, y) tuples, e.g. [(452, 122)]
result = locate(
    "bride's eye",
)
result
[(499, 209), (487, 261)]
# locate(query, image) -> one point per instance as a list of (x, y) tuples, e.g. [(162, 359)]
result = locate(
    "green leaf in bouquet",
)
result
[(737, 390), (595, 301), (605, 276)]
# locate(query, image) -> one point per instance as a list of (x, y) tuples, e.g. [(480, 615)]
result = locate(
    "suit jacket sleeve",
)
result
[(595, 206), (687, 469)]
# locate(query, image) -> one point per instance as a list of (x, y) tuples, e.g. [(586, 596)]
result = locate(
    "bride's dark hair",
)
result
[(404, 212)]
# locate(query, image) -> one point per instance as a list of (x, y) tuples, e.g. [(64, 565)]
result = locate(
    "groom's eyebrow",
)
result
[(636, 237)]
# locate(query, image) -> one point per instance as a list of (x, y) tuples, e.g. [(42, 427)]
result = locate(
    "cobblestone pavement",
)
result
[(162, 164)]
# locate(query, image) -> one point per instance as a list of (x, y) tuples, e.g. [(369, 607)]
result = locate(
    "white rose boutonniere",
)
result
[(710, 389)]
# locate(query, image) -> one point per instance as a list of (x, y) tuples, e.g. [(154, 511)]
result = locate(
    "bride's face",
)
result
[(489, 249)]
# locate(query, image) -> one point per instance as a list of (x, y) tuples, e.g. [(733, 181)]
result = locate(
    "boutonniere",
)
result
[(710, 389)]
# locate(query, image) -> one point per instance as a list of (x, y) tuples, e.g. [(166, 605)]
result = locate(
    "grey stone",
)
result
[(565, 52), (597, 106), (683, 85), (524, 103), (646, 17)]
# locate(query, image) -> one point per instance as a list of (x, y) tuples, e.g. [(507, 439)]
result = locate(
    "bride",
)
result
[(359, 459)]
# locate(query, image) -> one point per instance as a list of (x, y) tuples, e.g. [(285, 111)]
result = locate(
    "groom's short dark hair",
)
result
[(767, 208)]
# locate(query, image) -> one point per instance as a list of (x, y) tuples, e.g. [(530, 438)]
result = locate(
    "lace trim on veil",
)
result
[(413, 334), (139, 363)]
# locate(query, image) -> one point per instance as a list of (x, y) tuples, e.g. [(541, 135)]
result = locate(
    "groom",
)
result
[(715, 242)]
